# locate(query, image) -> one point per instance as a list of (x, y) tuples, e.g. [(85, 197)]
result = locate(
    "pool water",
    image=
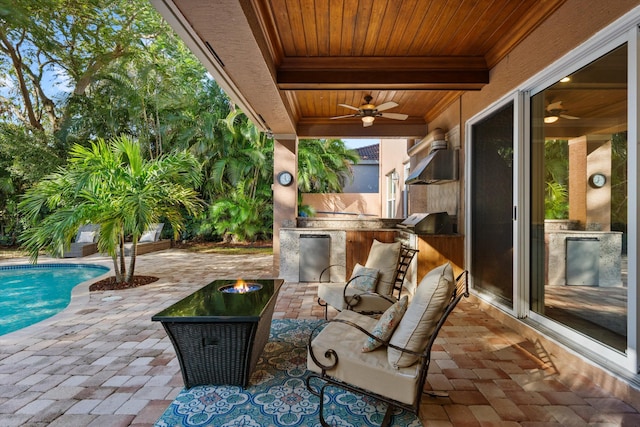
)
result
[(31, 293)]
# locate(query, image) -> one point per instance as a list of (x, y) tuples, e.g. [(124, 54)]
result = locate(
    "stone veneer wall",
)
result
[(290, 252), (609, 259), (336, 229)]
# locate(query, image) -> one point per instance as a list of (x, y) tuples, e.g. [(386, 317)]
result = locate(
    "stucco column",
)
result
[(578, 180), (599, 199), (591, 206), (285, 198)]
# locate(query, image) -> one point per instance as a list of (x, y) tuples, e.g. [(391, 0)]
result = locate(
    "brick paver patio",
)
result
[(103, 362)]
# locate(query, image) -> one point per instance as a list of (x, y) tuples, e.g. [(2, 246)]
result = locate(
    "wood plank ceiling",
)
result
[(421, 54)]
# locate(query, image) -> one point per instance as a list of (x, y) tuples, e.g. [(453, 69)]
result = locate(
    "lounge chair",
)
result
[(374, 287), (84, 243), (386, 359)]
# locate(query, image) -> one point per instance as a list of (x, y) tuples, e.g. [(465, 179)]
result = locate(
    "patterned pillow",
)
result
[(387, 324), (365, 280)]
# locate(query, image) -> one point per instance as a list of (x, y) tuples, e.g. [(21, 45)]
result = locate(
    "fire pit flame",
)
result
[(240, 287)]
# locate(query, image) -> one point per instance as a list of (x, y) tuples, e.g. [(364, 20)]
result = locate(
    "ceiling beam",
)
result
[(352, 128), (410, 73)]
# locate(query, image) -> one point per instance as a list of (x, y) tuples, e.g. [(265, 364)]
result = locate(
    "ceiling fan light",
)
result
[(551, 119), (368, 119)]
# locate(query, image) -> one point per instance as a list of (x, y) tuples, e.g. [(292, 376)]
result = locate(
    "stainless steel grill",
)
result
[(428, 223)]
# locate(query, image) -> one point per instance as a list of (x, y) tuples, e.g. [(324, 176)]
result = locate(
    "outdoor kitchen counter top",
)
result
[(348, 223), (365, 229), (339, 228)]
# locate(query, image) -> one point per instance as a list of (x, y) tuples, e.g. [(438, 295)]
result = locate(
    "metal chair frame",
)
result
[(404, 261), (325, 379)]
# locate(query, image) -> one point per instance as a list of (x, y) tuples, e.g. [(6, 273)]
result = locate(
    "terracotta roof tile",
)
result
[(370, 152)]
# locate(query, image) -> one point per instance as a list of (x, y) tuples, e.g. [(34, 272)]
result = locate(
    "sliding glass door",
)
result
[(579, 191), (491, 205)]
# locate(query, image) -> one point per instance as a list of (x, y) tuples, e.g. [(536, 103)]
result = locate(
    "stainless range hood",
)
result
[(440, 166)]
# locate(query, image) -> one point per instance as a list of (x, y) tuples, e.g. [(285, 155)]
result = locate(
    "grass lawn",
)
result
[(11, 252)]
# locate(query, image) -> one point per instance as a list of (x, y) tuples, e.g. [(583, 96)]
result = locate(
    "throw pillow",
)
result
[(148, 236), (418, 323), (364, 279), (387, 324), (86, 237), (384, 257)]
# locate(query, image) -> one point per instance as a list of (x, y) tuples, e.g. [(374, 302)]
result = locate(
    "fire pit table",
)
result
[(219, 331)]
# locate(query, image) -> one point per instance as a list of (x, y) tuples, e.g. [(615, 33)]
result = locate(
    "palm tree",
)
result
[(113, 185), (240, 177), (324, 165)]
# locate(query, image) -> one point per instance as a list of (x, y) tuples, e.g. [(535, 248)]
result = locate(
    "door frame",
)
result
[(518, 163)]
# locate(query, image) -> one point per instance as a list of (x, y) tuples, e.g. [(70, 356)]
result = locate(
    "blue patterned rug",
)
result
[(277, 394)]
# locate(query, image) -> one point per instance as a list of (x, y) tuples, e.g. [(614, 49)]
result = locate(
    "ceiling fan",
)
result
[(368, 112), (554, 111)]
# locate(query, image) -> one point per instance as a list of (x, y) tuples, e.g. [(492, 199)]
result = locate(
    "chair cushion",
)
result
[(422, 315), (386, 324), (384, 257), (365, 278), (86, 237), (370, 370), (157, 227)]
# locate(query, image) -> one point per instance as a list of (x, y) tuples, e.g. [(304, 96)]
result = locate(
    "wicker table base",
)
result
[(219, 337)]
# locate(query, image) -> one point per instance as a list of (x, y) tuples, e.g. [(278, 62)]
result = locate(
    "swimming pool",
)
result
[(31, 293)]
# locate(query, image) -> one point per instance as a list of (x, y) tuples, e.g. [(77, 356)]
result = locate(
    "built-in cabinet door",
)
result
[(438, 249)]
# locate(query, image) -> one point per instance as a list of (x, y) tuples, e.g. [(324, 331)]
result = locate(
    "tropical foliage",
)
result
[(325, 165), (113, 185), (556, 163), (241, 174), (74, 72)]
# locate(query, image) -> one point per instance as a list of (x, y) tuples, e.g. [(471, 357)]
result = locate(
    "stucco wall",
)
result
[(340, 203), (393, 155)]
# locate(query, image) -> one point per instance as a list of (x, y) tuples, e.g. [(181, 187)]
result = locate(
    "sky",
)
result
[(359, 142)]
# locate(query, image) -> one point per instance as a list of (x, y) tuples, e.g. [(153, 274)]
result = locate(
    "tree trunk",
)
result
[(123, 266), (132, 262), (24, 91), (116, 270)]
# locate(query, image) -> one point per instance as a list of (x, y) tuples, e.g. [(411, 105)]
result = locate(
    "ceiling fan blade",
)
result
[(386, 106), (343, 117), (367, 124), (555, 106), (394, 116), (564, 116), (349, 107)]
